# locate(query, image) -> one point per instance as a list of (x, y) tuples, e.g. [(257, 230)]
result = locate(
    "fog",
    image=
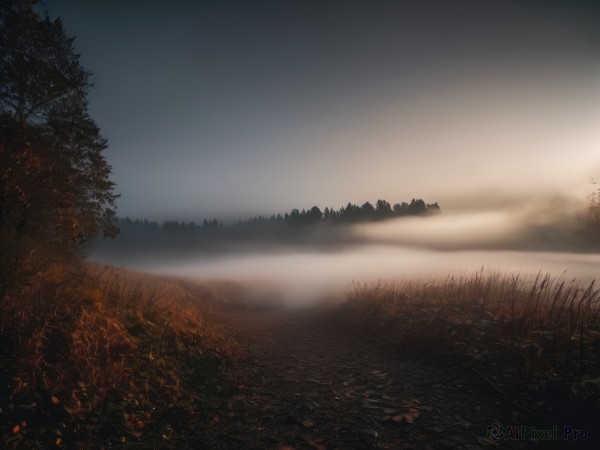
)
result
[(304, 277), (543, 224), (522, 239)]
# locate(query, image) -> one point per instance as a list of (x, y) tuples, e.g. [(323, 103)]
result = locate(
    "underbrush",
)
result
[(517, 333), (97, 357)]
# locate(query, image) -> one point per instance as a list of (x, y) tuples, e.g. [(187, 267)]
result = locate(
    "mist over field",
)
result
[(542, 224), (523, 239)]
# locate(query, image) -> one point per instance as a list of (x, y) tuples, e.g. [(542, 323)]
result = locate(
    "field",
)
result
[(98, 357)]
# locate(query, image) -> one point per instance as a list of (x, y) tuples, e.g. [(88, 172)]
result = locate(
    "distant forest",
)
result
[(298, 227), (349, 214)]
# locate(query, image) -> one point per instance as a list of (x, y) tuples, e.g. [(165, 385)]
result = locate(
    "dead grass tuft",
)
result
[(532, 331)]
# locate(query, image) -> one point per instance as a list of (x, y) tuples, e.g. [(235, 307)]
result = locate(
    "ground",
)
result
[(312, 381)]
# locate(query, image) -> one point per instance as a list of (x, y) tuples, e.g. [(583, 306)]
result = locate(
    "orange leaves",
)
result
[(19, 427), (135, 423), (100, 347), (408, 416), (77, 361), (19, 385), (411, 411), (319, 443)]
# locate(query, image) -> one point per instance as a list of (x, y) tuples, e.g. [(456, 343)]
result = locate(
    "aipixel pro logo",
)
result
[(498, 432)]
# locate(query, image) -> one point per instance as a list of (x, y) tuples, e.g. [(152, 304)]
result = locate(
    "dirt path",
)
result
[(310, 383)]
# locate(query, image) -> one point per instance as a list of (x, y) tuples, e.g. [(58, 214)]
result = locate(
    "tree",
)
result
[(401, 209), (350, 214), (315, 215), (295, 217), (54, 179), (383, 209), (416, 207), (433, 208), (367, 211)]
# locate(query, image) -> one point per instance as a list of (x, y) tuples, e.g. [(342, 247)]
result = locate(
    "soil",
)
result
[(311, 381)]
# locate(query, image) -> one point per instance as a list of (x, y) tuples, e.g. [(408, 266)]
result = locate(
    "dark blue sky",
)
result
[(237, 108)]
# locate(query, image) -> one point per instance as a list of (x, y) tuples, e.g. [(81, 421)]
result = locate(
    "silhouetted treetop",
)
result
[(54, 180)]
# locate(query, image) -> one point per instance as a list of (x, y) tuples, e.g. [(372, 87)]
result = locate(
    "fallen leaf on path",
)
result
[(318, 443), (408, 416), (411, 415)]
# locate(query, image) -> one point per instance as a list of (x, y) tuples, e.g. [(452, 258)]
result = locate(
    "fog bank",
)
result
[(300, 278), (549, 224), (525, 239)]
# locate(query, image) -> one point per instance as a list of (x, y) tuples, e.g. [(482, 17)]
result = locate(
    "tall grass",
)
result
[(543, 302), (549, 326)]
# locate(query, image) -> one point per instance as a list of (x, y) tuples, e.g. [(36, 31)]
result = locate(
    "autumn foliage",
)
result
[(105, 356)]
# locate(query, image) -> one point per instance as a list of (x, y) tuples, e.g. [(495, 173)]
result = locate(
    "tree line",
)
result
[(349, 214)]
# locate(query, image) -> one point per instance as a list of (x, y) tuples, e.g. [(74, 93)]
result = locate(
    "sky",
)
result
[(232, 109)]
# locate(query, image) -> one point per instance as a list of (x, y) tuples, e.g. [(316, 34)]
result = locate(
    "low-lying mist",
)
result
[(327, 259), (544, 226)]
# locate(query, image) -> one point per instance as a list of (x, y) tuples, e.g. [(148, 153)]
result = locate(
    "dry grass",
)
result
[(547, 329), (543, 303), (98, 356)]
